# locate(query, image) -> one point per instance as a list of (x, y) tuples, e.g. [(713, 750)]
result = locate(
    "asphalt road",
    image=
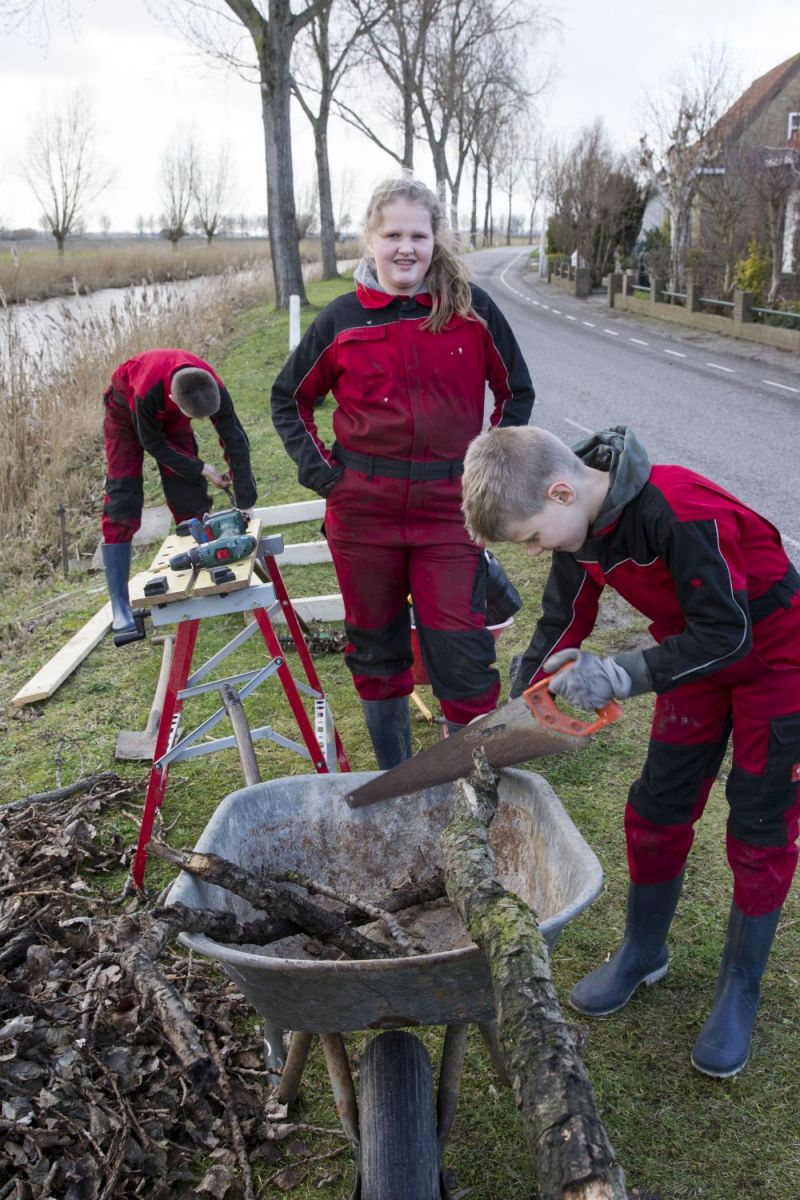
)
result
[(727, 409)]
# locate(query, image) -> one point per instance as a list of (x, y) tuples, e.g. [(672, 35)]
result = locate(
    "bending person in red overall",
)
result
[(150, 405), (724, 601), (407, 357)]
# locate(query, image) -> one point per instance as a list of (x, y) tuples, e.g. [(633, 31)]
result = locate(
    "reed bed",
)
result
[(51, 452), (38, 273)]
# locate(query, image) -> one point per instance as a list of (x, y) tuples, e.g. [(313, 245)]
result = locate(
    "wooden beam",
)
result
[(62, 664), (47, 680), (290, 514), (303, 554), (313, 608)]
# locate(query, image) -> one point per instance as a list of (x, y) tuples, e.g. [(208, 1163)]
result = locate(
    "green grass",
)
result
[(677, 1134)]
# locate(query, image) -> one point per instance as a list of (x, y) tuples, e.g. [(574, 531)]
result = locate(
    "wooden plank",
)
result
[(290, 514), (303, 554), (314, 608), (181, 584), (42, 685)]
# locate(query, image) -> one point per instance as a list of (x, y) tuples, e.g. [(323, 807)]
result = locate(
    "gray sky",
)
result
[(146, 88)]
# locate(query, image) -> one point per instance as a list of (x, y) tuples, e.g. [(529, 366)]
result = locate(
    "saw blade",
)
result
[(509, 735)]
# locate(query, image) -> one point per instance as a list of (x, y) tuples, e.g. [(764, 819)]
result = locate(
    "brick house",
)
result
[(760, 134)]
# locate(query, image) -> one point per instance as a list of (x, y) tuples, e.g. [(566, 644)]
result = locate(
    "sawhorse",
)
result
[(321, 742)]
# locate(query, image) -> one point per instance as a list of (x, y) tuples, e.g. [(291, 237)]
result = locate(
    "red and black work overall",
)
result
[(140, 416), (408, 404), (724, 602)]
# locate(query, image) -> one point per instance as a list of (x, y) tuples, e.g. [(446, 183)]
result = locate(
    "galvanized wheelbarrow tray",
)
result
[(302, 823)]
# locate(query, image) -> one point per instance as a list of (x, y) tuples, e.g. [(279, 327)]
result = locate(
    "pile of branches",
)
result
[(94, 1101)]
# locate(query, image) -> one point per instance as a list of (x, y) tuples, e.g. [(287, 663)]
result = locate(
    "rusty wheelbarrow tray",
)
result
[(302, 823)]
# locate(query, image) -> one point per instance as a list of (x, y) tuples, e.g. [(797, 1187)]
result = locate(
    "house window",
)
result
[(794, 125)]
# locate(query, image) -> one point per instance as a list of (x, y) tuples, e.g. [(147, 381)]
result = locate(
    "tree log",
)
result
[(571, 1155), (156, 992), (274, 898)]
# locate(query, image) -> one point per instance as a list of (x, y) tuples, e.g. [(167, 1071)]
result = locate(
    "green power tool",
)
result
[(221, 552)]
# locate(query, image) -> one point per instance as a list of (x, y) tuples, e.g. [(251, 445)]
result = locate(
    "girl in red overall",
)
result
[(407, 358), (724, 601)]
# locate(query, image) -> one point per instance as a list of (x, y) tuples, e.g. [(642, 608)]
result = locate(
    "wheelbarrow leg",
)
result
[(342, 1083), (274, 1057), (489, 1031), (289, 1083), (450, 1072)]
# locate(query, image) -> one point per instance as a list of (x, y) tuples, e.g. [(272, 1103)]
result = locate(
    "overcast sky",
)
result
[(146, 87)]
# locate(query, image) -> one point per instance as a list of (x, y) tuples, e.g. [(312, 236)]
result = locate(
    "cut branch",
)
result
[(277, 899), (570, 1151)]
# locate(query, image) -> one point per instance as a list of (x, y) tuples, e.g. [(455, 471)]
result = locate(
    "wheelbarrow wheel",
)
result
[(397, 1116)]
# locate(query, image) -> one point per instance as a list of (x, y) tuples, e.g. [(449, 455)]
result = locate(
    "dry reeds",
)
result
[(50, 403)]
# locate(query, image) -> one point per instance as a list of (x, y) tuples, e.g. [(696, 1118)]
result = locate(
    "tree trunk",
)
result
[(569, 1148), (327, 221), (274, 52), (488, 219), (473, 222)]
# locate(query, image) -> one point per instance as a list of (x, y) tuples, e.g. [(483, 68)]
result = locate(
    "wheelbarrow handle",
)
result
[(541, 703)]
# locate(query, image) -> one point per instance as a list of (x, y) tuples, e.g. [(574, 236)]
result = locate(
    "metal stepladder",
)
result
[(321, 743)]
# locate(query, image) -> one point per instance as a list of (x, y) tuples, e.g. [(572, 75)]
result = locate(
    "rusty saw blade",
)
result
[(529, 727)]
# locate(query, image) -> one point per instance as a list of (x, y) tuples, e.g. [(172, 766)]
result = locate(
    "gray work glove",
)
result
[(591, 682)]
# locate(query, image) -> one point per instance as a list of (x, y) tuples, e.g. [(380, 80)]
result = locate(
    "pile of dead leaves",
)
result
[(93, 1102)]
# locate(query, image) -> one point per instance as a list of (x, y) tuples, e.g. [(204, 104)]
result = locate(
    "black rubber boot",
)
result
[(125, 625), (389, 728), (723, 1047), (643, 956)]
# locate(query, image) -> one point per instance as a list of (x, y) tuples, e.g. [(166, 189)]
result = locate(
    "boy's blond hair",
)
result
[(506, 476), (195, 392)]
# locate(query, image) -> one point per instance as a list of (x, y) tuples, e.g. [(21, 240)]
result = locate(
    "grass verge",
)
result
[(677, 1134)]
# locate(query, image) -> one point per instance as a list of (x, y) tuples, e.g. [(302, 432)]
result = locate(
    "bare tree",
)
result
[(534, 175), (60, 165), (396, 49), (775, 179), (210, 193), (271, 27), (334, 55), (104, 221), (307, 206), (685, 136), (597, 202), (510, 167), (178, 169), (724, 218)]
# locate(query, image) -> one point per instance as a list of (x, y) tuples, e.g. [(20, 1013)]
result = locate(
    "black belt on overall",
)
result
[(399, 468), (779, 596)]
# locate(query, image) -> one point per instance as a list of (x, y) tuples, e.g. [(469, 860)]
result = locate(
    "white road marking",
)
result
[(589, 323), (557, 311), (676, 353), (717, 367), (638, 341), (576, 425), (569, 318), (613, 332), (784, 386)]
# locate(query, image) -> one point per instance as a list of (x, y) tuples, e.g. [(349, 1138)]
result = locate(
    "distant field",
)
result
[(33, 270)]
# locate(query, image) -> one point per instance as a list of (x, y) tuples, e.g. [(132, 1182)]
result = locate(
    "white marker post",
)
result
[(294, 321)]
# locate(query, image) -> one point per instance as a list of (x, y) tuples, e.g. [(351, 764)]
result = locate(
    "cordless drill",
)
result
[(214, 525), (221, 551)]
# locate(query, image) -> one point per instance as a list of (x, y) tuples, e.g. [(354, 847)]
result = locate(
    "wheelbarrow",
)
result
[(396, 1127)]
